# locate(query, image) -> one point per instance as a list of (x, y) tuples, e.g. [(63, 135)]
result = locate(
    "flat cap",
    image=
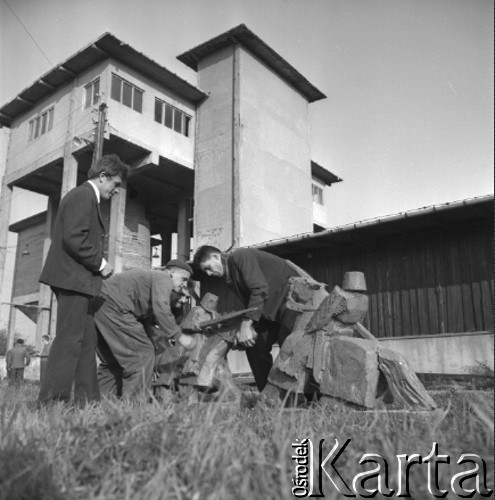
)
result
[(179, 263)]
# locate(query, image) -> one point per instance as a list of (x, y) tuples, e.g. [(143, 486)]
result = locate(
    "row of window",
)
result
[(172, 117), (131, 96), (41, 124), (127, 94)]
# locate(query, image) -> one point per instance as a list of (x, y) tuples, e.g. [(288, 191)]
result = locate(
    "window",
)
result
[(172, 118), (91, 94), (317, 194), (40, 124), (127, 94)]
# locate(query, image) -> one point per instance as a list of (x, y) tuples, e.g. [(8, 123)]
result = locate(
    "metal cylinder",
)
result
[(354, 281)]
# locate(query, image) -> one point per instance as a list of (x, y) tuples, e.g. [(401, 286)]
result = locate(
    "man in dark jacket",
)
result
[(16, 360), (74, 269), (260, 280), (132, 303)]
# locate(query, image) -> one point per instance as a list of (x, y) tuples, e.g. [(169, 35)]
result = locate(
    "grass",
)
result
[(216, 451)]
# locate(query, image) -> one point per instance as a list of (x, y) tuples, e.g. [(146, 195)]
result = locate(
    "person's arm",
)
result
[(160, 302), (77, 217), (161, 289), (8, 360)]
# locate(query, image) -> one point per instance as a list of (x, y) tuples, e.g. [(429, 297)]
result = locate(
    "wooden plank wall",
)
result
[(28, 266), (419, 283)]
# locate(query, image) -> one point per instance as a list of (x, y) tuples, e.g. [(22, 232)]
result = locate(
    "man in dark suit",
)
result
[(74, 269), (260, 280)]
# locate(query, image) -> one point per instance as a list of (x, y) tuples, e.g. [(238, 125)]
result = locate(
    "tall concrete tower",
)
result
[(252, 155)]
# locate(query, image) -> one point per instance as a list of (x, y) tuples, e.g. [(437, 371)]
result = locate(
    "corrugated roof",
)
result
[(243, 35), (106, 46), (480, 207)]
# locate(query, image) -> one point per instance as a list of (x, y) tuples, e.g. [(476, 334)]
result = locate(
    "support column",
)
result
[(184, 229), (5, 209), (11, 326), (116, 230), (45, 297), (166, 247), (69, 178)]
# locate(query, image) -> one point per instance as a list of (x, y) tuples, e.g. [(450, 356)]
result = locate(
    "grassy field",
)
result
[(210, 451)]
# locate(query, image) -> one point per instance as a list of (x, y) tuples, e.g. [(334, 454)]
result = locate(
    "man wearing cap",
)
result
[(130, 302)]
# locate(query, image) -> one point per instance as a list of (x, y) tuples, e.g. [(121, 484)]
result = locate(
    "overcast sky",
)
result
[(408, 118)]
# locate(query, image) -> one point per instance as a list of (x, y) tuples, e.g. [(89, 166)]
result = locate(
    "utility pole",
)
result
[(100, 133)]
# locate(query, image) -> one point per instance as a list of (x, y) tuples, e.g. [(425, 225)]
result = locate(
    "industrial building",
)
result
[(206, 160)]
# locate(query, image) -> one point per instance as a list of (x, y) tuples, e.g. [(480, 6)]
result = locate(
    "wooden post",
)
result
[(166, 247), (116, 230), (11, 326), (5, 208), (184, 229), (45, 297)]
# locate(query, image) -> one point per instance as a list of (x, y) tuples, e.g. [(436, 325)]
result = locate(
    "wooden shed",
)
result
[(428, 271)]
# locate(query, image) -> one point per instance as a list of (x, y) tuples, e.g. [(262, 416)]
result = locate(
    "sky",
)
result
[(408, 118)]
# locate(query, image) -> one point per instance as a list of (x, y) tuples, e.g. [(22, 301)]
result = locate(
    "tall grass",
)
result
[(215, 451)]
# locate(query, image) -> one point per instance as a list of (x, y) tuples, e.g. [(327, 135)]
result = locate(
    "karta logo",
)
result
[(308, 479)]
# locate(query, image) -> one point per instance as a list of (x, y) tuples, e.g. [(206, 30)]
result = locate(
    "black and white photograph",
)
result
[(246, 249)]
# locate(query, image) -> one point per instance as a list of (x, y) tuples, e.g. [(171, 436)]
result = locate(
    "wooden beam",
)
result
[(46, 84), (116, 232), (45, 297), (69, 177), (5, 209), (25, 101), (67, 70)]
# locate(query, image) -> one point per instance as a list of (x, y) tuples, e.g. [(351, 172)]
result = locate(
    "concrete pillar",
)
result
[(116, 230), (45, 297), (69, 178), (11, 326), (5, 208), (166, 247), (184, 229)]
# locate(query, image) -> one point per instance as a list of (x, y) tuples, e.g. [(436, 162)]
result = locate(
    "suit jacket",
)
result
[(260, 279), (76, 251)]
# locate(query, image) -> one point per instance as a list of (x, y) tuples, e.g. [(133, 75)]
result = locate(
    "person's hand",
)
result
[(246, 336), (188, 342), (107, 271)]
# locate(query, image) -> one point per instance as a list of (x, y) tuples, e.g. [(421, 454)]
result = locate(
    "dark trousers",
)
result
[(72, 358), (16, 376), (269, 332), (43, 361), (126, 353)]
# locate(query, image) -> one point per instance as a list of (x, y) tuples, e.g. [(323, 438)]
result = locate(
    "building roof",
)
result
[(368, 231), (323, 174), (243, 35), (106, 46), (39, 218)]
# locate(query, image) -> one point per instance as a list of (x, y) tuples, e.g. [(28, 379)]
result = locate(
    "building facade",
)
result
[(225, 162)]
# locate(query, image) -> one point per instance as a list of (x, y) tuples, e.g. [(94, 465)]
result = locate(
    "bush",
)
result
[(3, 341)]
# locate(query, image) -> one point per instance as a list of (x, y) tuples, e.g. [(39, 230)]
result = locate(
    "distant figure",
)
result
[(17, 359), (74, 269), (45, 350)]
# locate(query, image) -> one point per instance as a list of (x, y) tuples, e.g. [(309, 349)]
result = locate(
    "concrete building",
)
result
[(225, 162)]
